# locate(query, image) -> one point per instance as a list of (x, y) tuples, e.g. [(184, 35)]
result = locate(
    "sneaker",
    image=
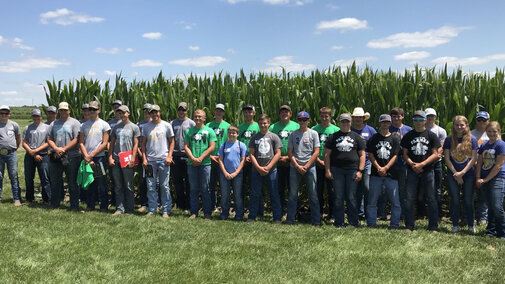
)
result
[(117, 213), (193, 216), (149, 214), (455, 229), (165, 215), (142, 209), (471, 230), (17, 203)]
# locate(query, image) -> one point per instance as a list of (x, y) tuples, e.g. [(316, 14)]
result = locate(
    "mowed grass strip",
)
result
[(42, 245)]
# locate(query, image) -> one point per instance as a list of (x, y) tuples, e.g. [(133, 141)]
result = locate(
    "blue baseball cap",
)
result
[(483, 114), (303, 114)]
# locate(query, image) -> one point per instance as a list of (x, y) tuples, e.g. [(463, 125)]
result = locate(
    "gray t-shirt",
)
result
[(440, 132), (303, 144), (180, 127), (8, 133), (141, 124), (124, 135), (265, 146), (64, 131), (157, 140), (36, 135), (93, 131), (480, 136)]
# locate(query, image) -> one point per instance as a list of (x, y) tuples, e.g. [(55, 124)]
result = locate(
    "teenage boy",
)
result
[(247, 130), (420, 152), (124, 138), (383, 149), (220, 128), (399, 129), (140, 169), (93, 139), (50, 114), (359, 116), (199, 143), (231, 162), (10, 139), (303, 150), (35, 144), (283, 128), (157, 152), (115, 120), (180, 168), (64, 156), (85, 113), (431, 116), (325, 128), (265, 151), (479, 132)]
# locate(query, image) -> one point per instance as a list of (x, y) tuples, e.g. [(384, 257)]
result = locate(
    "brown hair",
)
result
[(233, 128), (465, 148), (397, 111), (263, 117), (325, 110)]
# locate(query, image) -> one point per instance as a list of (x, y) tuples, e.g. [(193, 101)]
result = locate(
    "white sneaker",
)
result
[(455, 229)]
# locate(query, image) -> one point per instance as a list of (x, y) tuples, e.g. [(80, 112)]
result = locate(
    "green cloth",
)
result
[(324, 134), (283, 131), (246, 131), (199, 140), (221, 131), (85, 175)]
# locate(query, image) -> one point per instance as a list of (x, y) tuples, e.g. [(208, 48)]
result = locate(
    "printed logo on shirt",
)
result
[(419, 146), (458, 156), (264, 146), (61, 131), (93, 131), (344, 143), (384, 150), (248, 134), (488, 159), (323, 137), (284, 134), (219, 132), (200, 137)]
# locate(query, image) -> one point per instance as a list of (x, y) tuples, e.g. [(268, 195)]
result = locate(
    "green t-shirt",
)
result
[(221, 131), (324, 134), (199, 139), (246, 132), (283, 131)]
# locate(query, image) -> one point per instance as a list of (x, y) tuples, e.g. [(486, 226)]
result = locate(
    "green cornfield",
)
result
[(449, 92)]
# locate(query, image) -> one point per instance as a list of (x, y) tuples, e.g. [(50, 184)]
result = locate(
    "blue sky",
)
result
[(40, 40)]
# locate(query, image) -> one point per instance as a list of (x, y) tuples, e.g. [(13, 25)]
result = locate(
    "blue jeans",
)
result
[(246, 188), (391, 188), (42, 167), (199, 178), (481, 206), (468, 190), (362, 190), (56, 170), (123, 187), (294, 184), (426, 180), (12, 169), (97, 190), (345, 187), (495, 191), (256, 184), (237, 196), (161, 175)]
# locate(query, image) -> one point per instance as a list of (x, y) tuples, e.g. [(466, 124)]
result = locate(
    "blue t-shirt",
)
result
[(459, 161), (232, 154), (489, 154), (367, 132), (400, 132)]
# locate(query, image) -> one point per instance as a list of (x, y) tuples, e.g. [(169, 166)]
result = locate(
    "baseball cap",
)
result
[(146, 106), (483, 114), (155, 107), (123, 108), (51, 109), (63, 105), (345, 116), (385, 117), (94, 105), (419, 113), (183, 105), (220, 106), (285, 107), (430, 111), (36, 112), (303, 114), (248, 107), (85, 106), (117, 102), (5, 107)]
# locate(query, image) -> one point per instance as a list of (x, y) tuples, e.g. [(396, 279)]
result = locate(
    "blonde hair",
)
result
[(495, 125), (466, 142), (200, 111)]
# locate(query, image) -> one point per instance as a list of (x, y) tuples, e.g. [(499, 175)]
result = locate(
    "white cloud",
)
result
[(276, 64), (109, 73), (466, 61), (28, 64), (14, 43), (357, 60), (185, 25), (146, 63), (231, 51), (194, 47), (342, 24), (91, 74), (154, 35), (113, 50), (67, 17), (204, 61), (129, 49), (9, 93), (337, 47), (413, 56), (429, 38)]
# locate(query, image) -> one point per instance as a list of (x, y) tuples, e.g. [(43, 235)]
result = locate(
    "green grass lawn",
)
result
[(57, 246)]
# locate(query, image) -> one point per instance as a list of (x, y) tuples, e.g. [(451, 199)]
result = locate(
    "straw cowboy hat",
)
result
[(358, 111)]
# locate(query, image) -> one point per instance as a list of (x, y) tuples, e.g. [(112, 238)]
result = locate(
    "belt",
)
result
[(6, 151)]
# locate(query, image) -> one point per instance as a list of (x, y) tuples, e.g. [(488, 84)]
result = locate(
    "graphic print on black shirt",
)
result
[(420, 145), (383, 150)]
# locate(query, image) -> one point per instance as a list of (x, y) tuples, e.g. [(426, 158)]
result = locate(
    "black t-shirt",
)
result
[(420, 146), (383, 150), (344, 149)]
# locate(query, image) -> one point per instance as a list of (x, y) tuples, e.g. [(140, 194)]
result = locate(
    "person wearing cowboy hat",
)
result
[(10, 139), (359, 116)]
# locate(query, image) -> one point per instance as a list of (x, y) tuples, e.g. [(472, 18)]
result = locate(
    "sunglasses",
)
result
[(481, 120), (4, 113), (418, 119), (303, 119)]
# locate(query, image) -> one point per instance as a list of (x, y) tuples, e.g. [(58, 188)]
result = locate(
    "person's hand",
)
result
[(320, 163), (459, 180), (358, 176), (59, 151), (329, 175), (144, 164), (417, 168), (168, 161), (382, 171), (131, 163), (38, 158), (247, 159), (196, 162), (91, 163), (111, 161), (88, 159), (479, 183)]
